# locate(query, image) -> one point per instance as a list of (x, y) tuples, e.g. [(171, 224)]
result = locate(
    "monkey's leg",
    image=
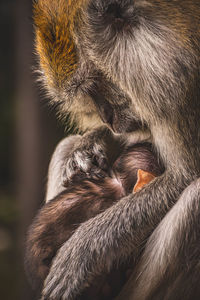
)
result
[(170, 266), (54, 184), (111, 237)]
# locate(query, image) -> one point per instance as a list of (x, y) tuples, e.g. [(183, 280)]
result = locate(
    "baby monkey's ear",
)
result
[(143, 177), (53, 21)]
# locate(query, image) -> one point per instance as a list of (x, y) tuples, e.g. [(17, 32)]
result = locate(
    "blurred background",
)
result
[(29, 132)]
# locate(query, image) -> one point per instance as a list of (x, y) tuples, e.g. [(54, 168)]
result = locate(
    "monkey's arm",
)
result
[(110, 237), (169, 268)]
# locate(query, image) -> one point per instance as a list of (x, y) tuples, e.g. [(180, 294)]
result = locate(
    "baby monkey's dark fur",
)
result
[(81, 200)]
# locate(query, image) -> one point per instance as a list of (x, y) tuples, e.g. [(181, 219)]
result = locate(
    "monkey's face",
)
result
[(73, 81), (117, 61), (149, 49)]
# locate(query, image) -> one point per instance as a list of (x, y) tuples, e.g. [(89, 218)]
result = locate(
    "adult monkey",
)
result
[(144, 57)]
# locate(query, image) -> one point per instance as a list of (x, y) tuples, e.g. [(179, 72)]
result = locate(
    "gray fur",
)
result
[(147, 53), (170, 256), (58, 159)]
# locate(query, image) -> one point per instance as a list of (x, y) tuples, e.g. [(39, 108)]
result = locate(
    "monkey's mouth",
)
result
[(121, 123), (117, 116), (130, 126)]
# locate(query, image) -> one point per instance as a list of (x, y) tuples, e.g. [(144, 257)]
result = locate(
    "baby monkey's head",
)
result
[(137, 165)]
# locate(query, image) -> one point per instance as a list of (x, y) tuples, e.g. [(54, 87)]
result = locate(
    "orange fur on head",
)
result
[(54, 21)]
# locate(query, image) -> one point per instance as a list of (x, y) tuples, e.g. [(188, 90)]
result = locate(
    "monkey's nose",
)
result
[(118, 12), (111, 17), (114, 11)]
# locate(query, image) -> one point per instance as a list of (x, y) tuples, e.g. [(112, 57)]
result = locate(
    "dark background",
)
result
[(29, 132)]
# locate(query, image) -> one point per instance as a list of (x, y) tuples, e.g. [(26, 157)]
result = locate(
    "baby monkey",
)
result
[(83, 199)]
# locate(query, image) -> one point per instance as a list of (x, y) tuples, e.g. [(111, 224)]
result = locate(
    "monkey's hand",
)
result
[(88, 157), (86, 161)]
